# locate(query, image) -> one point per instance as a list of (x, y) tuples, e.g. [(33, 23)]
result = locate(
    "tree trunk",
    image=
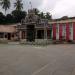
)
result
[(5, 12)]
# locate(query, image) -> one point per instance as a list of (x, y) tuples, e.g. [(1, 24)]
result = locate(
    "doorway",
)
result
[(9, 36), (30, 33), (40, 34)]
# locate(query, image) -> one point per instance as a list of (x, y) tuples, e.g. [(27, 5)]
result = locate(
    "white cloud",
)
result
[(64, 8), (58, 8)]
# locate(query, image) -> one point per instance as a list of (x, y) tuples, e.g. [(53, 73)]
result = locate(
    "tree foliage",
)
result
[(18, 15), (5, 4), (48, 16), (18, 5)]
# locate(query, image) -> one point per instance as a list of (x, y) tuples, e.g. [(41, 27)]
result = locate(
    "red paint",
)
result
[(67, 32), (54, 31), (74, 31), (60, 32)]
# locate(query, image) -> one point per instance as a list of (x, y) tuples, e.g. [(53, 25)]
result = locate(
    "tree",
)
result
[(9, 19), (36, 11), (48, 16), (2, 18), (18, 5), (64, 17), (5, 5), (19, 15), (41, 15)]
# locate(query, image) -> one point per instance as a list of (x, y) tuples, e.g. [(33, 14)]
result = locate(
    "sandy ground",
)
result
[(32, 60)]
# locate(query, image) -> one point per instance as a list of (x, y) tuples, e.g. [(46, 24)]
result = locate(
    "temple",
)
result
[(63, 29), (33, 28)]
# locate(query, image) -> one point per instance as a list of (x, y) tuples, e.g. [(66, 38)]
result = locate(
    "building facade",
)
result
[(8, 32), (33, 28), (63, 29)]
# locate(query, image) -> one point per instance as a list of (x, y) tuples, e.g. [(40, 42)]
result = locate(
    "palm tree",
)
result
[(48, 16), (42, 15), (5, 4), (19, 5)]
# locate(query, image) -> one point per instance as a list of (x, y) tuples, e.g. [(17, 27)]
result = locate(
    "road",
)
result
[(33, 60)]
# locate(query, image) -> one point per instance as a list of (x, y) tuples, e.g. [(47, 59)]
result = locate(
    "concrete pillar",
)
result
[(25, 34), (64, 31), (67, 32), (20, 35), (14, 36), (54, 31), (45, 32), (71, 31), (36, 34), (11, 36), (60, 32), (4, 36), (57, 31), (74, 31)]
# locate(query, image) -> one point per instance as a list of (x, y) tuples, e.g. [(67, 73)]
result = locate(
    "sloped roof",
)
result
[(7, 28)]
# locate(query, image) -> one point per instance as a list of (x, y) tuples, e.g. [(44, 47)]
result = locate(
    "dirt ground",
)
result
[(34, 60)]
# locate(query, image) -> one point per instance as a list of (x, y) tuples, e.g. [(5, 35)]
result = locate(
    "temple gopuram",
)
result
[(33, 28)]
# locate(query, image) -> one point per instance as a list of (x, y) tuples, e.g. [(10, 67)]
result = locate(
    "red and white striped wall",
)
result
[(63, 31)]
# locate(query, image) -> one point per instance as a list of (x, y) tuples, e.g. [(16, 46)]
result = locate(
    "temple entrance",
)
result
[(40, 34), (9, 36), (49, 34), (30, 33)]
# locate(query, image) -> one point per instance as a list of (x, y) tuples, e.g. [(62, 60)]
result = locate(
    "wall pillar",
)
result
[(71, 31), (11, 36), (20, 35), (4, 35), (74, 31), (36, 34), (67, 32), (60, 32), (57, 31), (54, 31), (45, 33)]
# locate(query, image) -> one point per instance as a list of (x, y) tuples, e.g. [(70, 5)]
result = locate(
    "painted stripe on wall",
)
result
[(54, 31), (67, 32), (64, 31), (71, 31), (74, 31), (60, 32), (57, 31)]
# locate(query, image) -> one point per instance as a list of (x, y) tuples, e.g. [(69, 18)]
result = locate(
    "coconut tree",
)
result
[(5, 4), (18, 5), (48, 16)]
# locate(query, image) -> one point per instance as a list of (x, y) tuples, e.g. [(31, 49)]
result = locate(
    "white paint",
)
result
[(41, 69), (57, 32), (64, 31), (71, 31), (52, 32)]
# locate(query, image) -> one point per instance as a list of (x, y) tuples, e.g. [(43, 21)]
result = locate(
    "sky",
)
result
[(57, 8)]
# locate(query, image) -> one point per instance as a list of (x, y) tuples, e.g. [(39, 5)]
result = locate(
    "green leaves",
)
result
[(5, 4), (18, 5)]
